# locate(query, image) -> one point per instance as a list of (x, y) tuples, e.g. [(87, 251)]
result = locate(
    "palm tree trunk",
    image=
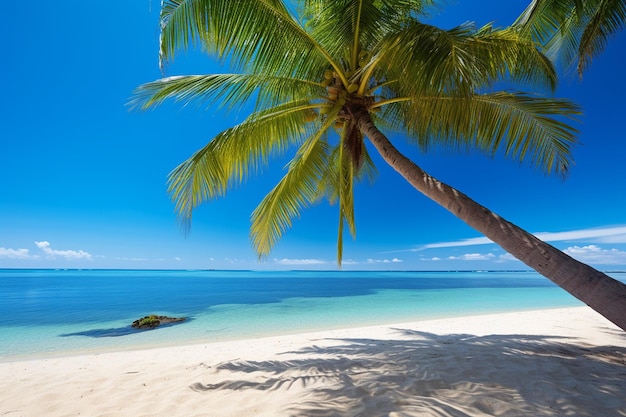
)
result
[(602, 293)]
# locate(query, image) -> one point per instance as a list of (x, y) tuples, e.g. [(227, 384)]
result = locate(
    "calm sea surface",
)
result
[(49, 312)]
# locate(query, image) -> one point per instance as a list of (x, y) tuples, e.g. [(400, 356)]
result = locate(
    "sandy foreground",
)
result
[(561, 362)]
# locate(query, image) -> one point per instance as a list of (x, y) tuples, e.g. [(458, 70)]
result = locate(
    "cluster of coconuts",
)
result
[(337, 94)]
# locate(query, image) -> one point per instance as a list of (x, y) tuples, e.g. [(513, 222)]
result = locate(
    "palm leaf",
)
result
[(225, 90), (459, 60), (338, 183), (259, 35), (573, 31), (609, 18), (345, 27), (527, 128), (228, 158), (543, 18), (294, 192), (346, 197)]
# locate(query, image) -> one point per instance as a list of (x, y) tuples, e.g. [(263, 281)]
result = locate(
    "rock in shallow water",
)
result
[(153, 320)]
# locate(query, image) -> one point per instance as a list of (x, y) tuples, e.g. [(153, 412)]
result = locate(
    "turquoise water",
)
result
[(49, 312)]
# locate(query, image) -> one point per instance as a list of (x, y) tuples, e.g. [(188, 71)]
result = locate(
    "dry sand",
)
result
[(561, 362)]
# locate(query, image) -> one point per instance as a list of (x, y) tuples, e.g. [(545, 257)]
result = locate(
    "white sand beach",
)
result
[(560, 362)]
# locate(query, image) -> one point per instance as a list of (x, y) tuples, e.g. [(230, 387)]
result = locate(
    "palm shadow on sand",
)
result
[(459, 375)]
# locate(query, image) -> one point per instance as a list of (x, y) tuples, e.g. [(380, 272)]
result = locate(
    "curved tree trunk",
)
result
[(602, 293)]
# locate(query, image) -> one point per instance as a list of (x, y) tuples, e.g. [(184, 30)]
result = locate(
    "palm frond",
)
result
[(259, 35), (224, 90), (505, 54), (345, 27), (460, 60), (422, 57), (556, 25), (233, 154), (573, 31), (338, 182), (609, 18), (294, 192), (526, 128), (562, 47), (543, 18), (200, 178), (330, 183)]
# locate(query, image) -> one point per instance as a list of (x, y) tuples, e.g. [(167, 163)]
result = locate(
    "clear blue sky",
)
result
[(83, 178)]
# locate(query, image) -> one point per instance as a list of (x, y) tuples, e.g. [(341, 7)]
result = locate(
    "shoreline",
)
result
[(510, 364), (306, 330)]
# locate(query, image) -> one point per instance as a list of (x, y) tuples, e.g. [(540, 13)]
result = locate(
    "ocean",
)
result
[(63, 312)]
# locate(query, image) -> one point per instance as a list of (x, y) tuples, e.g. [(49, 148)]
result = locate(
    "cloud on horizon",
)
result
[(384, 261), (590, 254), (48, 252), (473, 257), (593, 254), (306, 262), (67, 254), (9, 253), (286, 261), (615, 234)]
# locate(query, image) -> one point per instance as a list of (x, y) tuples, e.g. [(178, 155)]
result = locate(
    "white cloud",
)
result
[(138, 259), (15, 253), (463, 242), (593, 254), (507, 257), (50, 253), (286, 261), (473, 257), (67, 254), (614, 234), (612, 239), (384, 261)]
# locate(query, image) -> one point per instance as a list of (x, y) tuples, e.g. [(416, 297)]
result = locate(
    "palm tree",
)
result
[(332, 74), (574, 30)]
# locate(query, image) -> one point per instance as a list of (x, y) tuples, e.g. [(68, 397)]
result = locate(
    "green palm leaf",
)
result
[(294, 192), (225, 90), (338, 182), (609, 18), (460, 60), (346, 27), (259, 35), (526, 128), (573, 31), (228, 159)]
